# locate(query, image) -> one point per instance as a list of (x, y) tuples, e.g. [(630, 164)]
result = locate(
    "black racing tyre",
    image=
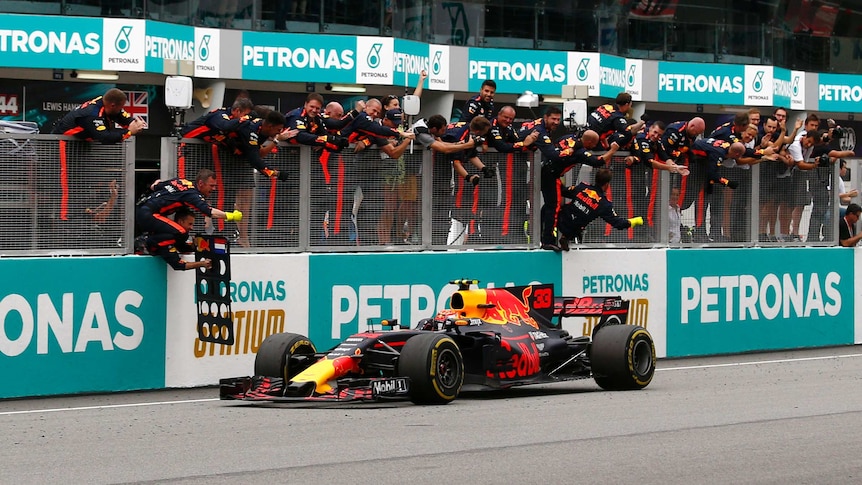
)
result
[(275, 352), (622, 357), (435, 367)]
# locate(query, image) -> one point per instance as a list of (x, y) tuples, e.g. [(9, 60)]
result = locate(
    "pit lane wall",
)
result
[(73, 325), (725, 301), (329, 297)]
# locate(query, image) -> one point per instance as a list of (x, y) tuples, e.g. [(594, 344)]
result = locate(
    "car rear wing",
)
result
[(612, 310)]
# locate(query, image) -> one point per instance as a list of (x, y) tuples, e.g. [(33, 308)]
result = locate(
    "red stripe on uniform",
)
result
[(269, 217), (507, 209), (64, 183), (324, 165), (652, 196), (181, 161), (557, 186), (629, 202), (170, 222), (339, 195), (196, 132), (220, 182)]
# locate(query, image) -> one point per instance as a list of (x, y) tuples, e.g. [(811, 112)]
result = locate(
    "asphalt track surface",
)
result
[(784, 417)]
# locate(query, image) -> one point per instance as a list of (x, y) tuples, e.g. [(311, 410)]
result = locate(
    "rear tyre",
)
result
[(435, 367), (622, 357), (277, 355)]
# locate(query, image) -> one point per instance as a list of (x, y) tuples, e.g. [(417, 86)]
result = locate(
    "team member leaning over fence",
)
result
[(464, 192), (185, 218), (215, 125), (508, 200), (609, 121), (589, 203), (95, 119), (571, 151), (165, 198)]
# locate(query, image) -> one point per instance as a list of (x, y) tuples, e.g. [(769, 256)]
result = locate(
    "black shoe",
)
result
[(551, 247), (564, 243), (141, 245)]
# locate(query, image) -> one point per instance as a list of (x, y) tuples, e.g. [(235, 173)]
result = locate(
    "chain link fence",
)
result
[(63, 196), (60, 196)]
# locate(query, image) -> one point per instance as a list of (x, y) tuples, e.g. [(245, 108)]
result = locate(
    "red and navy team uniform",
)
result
[(312, 131), (508, 203), (611, 125), (363, 125), (570, 152), (476, 107), (463, 195), (639, 181), (212, 127), (706, 157), (588, 203), (328, 185), (90, 122), (675, 143), (151, 216)]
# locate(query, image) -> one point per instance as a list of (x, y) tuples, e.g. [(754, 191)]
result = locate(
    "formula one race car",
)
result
[(491, 338)]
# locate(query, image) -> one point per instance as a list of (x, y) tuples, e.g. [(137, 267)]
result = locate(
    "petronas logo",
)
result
[(583, 72), (374, 56), (122, 43), (204, 51), (757, 85)]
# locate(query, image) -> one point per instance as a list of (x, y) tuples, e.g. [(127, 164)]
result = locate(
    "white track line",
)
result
[(107, 406), (758, 362), (193, 401)]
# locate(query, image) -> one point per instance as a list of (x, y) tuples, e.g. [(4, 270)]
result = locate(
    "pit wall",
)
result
[(74, 325)]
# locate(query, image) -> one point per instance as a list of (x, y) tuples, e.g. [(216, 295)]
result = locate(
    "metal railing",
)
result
[(61, 196)]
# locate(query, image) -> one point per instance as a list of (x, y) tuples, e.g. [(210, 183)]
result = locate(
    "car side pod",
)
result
[(622, 357)]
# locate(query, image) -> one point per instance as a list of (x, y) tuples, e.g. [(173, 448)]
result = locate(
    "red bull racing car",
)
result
[(491, 338)]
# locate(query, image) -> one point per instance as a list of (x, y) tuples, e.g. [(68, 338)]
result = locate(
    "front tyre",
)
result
[(622, 357), (435, 367), (283, 355)]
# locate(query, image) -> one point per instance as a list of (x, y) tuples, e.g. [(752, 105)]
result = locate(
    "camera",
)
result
[(478, 140), (823, 160), (838, 132)]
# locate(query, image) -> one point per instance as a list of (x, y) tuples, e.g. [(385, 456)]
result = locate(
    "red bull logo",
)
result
[(202, 244), (524, 360), (508, 308), (592, 194), (589, 197)]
